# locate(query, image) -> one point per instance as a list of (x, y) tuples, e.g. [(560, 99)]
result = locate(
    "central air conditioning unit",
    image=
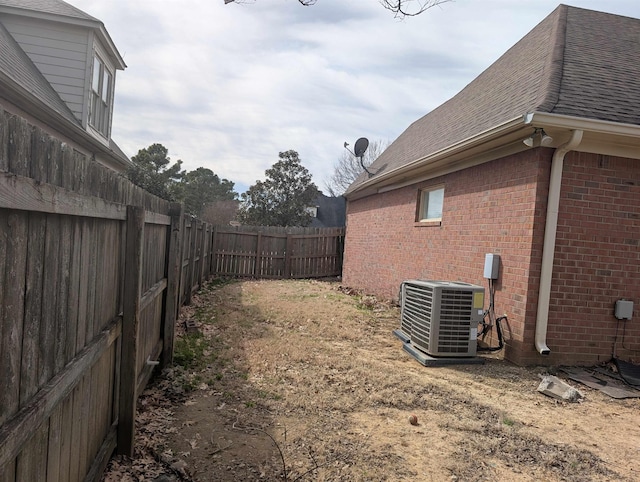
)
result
[(440, 318)]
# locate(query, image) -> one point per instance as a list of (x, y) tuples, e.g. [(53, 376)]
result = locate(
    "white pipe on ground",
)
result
[(548, 249)]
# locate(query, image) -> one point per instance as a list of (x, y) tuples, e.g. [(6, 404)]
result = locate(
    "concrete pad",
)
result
[(430, 361)]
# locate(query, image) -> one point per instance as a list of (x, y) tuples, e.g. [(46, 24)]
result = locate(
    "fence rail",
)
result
[(93, 271)]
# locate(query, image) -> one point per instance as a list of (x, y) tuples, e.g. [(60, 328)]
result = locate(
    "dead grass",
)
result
[(303, 380)]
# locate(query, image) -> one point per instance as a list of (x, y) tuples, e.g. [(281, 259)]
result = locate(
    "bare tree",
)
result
[(400, 8), (347, 168)]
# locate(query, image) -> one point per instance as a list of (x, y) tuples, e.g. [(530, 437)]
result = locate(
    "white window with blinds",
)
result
[(101, 97)]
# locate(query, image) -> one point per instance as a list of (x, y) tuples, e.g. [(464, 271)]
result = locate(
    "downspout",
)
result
[(549, 246)]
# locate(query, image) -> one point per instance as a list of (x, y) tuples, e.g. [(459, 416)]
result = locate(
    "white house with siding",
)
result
[(58, 69)]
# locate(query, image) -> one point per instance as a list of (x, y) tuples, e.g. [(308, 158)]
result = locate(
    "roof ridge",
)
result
[(549, 92), (59, 8), (81, 13)]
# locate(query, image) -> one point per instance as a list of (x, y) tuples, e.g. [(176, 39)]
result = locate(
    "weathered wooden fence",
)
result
[(89, 268), (271, 252), (93, 271), (196, 257)]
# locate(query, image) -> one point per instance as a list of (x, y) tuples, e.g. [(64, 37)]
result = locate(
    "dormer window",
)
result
[(101, 102)]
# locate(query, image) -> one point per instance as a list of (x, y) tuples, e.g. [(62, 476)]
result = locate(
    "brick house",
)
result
[(57, 71), (537, 160)]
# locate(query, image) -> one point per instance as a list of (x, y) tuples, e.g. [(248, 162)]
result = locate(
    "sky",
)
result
[(229, 87)]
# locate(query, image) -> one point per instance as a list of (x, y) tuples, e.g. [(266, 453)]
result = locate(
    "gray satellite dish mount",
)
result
[(358, 150)]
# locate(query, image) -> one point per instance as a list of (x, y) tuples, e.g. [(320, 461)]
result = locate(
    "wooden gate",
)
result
[(272, 252)]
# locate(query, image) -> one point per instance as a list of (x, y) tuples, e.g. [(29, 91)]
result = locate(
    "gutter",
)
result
[(549, 246), (561, 121), (554, 121), (444, 153)]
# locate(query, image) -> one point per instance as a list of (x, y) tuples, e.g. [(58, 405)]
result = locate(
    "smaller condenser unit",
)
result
[(440, 318)]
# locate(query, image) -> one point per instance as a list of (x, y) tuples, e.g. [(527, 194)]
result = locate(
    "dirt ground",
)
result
[(304, 380)]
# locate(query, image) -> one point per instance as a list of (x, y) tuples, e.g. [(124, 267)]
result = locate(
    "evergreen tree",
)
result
[(152, 172), (202, 187), (283, 198)]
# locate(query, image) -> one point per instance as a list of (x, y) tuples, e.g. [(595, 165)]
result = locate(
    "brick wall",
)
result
[(597, 260), (500, 207), (489, 208)]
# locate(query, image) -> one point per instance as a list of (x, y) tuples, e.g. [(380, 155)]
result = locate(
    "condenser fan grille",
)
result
[(455, 316), (418, 303)]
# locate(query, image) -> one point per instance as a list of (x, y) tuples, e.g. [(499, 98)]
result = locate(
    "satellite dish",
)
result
[(360, 147)]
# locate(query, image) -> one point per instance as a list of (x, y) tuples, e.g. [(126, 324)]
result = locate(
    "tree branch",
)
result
[(402, 8)]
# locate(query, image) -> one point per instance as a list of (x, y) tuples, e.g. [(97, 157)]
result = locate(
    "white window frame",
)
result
[(101, 95), (431, 199), (313, 211)]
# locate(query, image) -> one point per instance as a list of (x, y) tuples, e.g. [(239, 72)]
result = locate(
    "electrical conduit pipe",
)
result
[(549, 246)]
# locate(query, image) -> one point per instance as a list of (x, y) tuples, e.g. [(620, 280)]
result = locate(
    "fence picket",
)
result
[(32, 306)]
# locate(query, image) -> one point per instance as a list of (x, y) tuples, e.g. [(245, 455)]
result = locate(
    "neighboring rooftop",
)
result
[(331, 212), (53, 7), (47, 48), (576, 62)]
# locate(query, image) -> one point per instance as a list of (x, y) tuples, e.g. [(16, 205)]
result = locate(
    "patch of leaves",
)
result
[(516, 449), (366, 301), (154, 423)]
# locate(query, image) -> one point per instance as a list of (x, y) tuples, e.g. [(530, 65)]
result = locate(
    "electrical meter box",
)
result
[(624, 309), (491, 266)]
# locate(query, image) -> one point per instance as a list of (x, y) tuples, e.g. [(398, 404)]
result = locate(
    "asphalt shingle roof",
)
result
[(54, 7), (331, 212), (601, 74), (575, 62)]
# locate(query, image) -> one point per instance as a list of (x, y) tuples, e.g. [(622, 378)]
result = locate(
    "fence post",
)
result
[(192, 259), (130, 320), (340, 249), (287, 257), (257, 269), (211, 249), (206, 267), (214, 258), (203, 245), (172, 269), (183, 244)]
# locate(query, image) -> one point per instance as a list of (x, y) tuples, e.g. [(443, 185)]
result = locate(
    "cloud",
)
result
[(228, 87)]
